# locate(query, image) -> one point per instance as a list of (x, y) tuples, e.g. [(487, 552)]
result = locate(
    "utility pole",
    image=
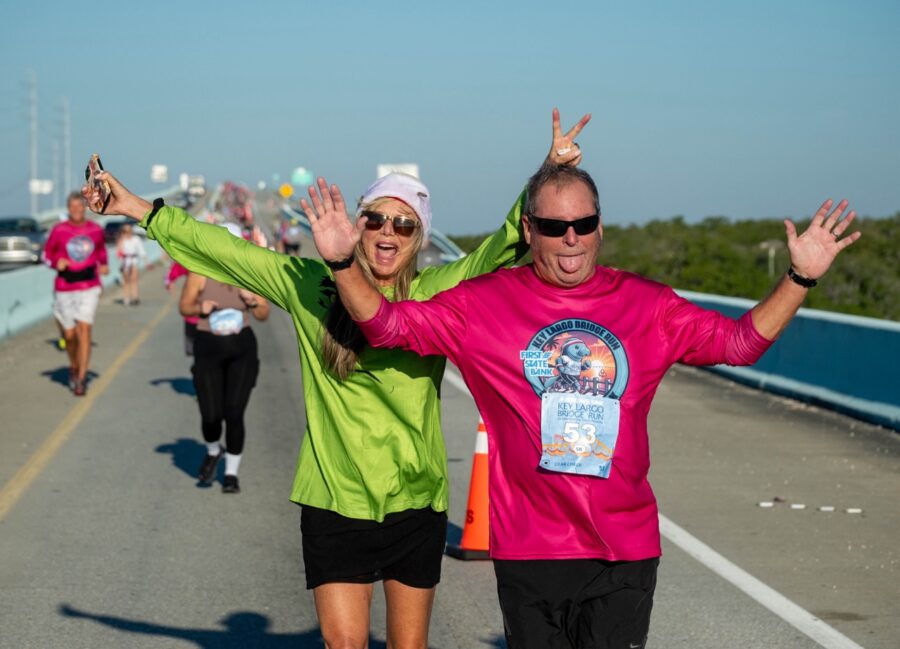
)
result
[(34, 143), (68, 182), (56, 179)]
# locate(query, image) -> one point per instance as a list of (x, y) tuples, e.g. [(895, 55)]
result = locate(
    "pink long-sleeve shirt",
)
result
[(513, 336), (83, 245)]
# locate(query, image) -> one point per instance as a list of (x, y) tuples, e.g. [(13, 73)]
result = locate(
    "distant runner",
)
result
[(77, 250), (225, 368), (131, 253)]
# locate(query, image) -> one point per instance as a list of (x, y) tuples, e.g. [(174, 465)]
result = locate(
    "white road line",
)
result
[(784, 608), (453, 378), (801, 619)]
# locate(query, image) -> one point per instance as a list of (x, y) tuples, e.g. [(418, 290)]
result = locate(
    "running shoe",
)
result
[(230, 485), (80, 387), (207, 472), (73, 379)]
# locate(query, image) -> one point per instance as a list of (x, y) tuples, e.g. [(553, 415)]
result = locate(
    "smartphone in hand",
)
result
[(94, 166)]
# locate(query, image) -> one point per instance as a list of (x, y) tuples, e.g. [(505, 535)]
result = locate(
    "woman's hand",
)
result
[(121, 201), (813, 252), (564, 150), (333, 233)]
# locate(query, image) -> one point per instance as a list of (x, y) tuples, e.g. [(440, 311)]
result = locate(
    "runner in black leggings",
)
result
[(225, 367)]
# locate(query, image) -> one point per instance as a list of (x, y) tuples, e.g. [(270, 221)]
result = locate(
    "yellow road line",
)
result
[(19, 483)]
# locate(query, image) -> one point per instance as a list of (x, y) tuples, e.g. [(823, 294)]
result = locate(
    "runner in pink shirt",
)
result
[(563, 358), (77, 250)]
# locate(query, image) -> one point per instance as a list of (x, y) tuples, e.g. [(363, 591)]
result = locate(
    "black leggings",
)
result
[(225, 371)]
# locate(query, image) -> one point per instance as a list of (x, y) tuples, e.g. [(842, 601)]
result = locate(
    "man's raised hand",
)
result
[(563, 149), (813, 251)]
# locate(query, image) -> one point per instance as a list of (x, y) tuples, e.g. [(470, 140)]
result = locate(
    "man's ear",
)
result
[(526, 229)]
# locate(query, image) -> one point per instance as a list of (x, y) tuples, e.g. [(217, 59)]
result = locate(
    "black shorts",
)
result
[(407, 546), (576, 603)]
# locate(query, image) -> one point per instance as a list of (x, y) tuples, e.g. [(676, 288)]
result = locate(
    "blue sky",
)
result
[(699, 108)]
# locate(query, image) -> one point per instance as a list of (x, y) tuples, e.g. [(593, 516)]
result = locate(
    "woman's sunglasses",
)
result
[(403, 225), (558, 227)]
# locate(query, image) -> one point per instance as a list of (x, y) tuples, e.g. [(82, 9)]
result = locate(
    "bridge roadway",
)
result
[(106, 540)]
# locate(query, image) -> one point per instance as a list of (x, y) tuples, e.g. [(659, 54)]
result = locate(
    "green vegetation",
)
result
[(727, 258)]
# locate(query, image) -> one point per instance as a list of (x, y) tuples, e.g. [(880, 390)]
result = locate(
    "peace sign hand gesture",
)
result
[(564, 150), (813, 252), (333, 233)]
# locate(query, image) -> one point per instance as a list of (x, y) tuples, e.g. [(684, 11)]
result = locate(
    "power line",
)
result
[(34, 132)]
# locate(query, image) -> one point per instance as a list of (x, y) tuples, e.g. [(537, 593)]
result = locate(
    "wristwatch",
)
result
[(158, 204)]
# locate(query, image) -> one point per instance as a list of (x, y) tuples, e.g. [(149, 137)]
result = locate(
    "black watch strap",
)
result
[(158, 204), (805, 282), (339, 265)]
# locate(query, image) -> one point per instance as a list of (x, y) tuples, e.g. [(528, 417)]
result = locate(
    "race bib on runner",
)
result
[(578, 433), (226, 322)]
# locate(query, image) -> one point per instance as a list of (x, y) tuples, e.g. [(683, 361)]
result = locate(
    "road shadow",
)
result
[(180, 384), (54, 343), (237, 630), (187, 454), (61, 375), (454, 533)]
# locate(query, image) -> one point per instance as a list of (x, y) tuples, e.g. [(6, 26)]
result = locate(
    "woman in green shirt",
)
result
[(372, 472)]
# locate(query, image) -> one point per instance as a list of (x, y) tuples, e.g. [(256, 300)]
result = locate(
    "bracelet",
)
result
[(805, 282), (339, 265)]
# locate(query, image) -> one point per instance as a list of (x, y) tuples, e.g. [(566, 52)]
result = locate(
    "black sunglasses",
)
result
[(403, 225), (558, 227)]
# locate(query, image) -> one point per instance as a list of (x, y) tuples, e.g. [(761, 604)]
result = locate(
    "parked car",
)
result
[(21, 240)]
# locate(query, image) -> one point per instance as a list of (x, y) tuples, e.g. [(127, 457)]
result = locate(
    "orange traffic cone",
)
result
[(476, 533)]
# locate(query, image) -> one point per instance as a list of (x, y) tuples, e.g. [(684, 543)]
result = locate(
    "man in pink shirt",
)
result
[(563, 358), (76, 249)]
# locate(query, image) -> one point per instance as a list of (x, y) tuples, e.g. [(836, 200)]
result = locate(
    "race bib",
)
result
[(226, 322), (578, 433)]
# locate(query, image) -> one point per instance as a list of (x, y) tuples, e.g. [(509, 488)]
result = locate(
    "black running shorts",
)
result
[(576, 603), (407, 546)]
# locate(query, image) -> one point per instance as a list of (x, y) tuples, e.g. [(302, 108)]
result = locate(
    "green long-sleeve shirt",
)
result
[(373, 443)]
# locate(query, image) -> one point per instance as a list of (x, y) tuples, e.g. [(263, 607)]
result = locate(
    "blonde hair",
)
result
[(342, 341)]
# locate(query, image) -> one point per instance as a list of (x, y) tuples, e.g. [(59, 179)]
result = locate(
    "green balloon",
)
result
[(301, 176)]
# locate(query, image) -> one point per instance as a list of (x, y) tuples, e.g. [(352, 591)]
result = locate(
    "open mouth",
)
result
[(385, 251)]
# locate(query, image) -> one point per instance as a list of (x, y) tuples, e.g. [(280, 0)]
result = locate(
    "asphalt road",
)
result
[(109, 542)]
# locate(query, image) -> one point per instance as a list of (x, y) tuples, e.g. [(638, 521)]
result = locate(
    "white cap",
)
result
[(403, 187)]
